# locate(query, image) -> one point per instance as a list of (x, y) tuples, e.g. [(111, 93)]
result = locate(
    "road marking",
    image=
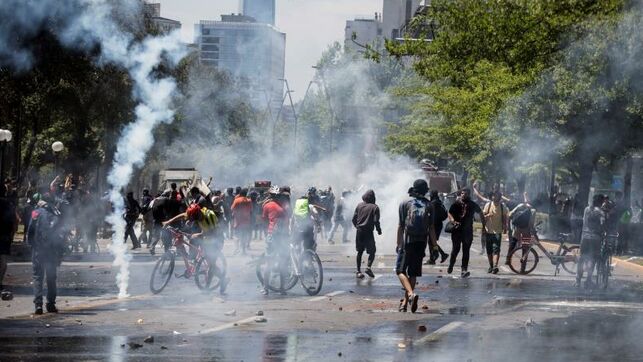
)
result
[(322, 297), (226, 326), (440, 332), (505, 269)]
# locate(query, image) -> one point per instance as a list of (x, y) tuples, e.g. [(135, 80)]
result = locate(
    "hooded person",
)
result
[(365, 219)]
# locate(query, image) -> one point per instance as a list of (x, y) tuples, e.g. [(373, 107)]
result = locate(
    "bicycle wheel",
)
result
[(572, 256), (208, 272), (311, 272), (274, 276), (162, 272), (523, 260)]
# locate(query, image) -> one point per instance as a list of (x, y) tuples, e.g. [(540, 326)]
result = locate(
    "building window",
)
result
[(214, 63), (209, 55), (205, 31), (210, 39), (210, 48)]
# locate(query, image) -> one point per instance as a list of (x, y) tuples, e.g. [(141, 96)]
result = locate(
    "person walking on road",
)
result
[(365, 218), (590, 247), (414, 231), (340, 220), (46, 236), (242, 217), (439, 215), (495, 215), (461, 215), (132, 211)]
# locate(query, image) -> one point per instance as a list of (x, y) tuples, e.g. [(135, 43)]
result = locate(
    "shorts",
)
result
[(365, 240), (409, 260), (590, 247), (493, 243)]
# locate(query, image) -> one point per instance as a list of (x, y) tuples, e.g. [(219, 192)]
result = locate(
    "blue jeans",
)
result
[(44, 268)]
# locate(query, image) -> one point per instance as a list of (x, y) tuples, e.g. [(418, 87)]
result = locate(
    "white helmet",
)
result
[(274, 190)]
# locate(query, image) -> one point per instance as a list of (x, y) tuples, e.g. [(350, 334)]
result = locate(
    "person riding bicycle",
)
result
[(306, 214), (276, 232), (591, 236), (204, 222)]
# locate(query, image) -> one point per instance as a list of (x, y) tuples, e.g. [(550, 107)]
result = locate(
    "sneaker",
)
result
[(369, 272), (38, 310), (490, 270), (430, 262), (465, 274), (152, 252), (359, 275), (51, 308), (495, 270), (444, 257), (264, 291), (414, 302), (450, 269)]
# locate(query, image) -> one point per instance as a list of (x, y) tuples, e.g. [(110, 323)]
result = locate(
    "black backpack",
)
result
[(440, 212), (520, 219), (418, 218)]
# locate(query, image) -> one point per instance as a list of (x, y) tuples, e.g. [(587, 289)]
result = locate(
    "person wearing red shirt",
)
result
[(242, 217), (276, 218)]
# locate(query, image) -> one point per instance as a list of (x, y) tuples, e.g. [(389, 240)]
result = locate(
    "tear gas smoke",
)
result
[(83, 24)]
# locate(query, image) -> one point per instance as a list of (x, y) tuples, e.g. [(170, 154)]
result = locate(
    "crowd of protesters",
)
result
[(66, 216)]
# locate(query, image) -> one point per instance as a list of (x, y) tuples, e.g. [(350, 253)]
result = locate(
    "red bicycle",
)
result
[(207, 269)]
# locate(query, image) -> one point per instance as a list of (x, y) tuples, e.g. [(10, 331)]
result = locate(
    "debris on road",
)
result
[(530, 322), (176, 333), (6, 295), (230, 313), (425, 307), (341, 309), (163, 347), (260, 313), (140, 321), (401, 345), (134, 345), (422, 328), (261, 320), (149, 339), (47, 325)]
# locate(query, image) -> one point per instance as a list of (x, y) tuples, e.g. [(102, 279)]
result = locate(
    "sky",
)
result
[(310, 26)]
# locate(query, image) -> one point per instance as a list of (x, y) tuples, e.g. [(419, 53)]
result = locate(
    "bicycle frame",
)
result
[(557, 259), (179, 242)]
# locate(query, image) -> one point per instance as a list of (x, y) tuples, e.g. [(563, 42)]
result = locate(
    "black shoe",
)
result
[(414, 302), (330, 242), (465, 274), (38, 310), (490, 270), (359, 275), (495, 270), (51, 308), (430, 262), (444, 257), (369, 272), (450, 269)]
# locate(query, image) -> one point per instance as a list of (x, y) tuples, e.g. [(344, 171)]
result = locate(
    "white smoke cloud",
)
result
[(85, 24)]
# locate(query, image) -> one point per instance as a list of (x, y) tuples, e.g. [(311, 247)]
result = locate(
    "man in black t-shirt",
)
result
[(414, 231), (461, 215)]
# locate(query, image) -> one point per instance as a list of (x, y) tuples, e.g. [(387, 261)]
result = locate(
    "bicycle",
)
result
[(302, 265), (206, 269), (524, 258), (604, 261)]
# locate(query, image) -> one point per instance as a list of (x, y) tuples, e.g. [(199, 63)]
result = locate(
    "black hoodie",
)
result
[(367, 213)]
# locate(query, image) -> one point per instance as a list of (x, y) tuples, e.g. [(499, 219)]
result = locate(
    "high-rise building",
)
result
[(165, 25), (364, 31), (262, 10), (396, 14), (254, 53)]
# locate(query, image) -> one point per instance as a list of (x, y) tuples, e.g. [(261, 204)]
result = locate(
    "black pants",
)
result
[(435, 254), (44, 268), (365, 241), (129, 231), (461, 240)]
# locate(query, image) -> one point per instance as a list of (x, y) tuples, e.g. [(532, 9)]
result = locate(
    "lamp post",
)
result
[(56, 147), (5, 137)]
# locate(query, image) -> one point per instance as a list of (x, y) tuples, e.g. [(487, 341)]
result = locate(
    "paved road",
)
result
[(485, 317)]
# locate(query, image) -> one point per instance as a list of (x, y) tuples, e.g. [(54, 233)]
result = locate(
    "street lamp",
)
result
[(5, 137), (57, 147)]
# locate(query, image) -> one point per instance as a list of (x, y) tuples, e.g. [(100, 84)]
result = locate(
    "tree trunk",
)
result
[(587, 166), (627, 182)]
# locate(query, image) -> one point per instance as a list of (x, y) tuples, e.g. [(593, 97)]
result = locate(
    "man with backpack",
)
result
[(46, 236), (440, 214), (147, 225), (365, 218), (523, 218), (495, 215), (304, 217), (415, 229)]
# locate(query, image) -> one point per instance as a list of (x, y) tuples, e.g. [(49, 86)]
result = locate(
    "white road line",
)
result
[(505, 269), (322, 297), (440, 332), (226, 326)]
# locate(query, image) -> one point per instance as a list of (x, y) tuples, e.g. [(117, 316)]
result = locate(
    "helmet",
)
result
[(274, 190), (312, 191), (193, 211)]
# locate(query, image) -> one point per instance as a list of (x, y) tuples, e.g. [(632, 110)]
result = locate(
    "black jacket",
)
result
[(367, 213)]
